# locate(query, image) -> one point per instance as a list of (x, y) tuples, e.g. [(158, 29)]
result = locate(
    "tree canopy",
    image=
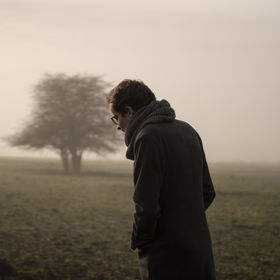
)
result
[(70, 115)]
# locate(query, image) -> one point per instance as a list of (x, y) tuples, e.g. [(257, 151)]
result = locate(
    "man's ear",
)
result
[(129, 110)]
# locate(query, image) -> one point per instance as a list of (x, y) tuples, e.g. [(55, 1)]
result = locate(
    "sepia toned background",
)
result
[(216, 62)]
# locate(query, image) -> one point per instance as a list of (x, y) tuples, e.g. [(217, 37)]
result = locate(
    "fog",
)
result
[(216, 62)]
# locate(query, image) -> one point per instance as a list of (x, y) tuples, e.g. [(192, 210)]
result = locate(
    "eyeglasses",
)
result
[(115, 119)]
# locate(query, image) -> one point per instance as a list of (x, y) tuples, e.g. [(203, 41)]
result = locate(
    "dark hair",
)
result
[(133, 93)]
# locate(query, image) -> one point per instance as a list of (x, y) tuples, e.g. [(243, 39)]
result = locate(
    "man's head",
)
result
[(126, 98)]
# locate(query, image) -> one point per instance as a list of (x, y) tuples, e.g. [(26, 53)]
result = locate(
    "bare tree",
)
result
[(70, 116)]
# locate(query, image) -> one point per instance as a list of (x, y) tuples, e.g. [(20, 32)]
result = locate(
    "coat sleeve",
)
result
[(147, 181), (208, 188)]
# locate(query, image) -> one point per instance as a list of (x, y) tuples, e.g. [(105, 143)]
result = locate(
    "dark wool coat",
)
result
[(173, 188)]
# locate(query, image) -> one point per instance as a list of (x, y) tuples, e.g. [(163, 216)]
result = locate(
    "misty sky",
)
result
[(216, 62)]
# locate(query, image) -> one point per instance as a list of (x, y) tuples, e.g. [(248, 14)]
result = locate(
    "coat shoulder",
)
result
[(157, 130)]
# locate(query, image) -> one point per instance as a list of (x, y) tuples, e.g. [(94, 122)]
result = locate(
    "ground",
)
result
[(57, 227)]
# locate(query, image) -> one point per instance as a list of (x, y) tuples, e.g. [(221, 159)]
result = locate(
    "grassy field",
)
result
[(54, 226)]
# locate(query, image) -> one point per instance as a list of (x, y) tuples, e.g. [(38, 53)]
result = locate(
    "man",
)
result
[(173, 187)]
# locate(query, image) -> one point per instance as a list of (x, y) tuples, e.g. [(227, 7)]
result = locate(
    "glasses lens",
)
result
[(115, 119)]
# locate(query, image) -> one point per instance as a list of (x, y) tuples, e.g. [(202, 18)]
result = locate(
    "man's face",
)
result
[(122, 120)]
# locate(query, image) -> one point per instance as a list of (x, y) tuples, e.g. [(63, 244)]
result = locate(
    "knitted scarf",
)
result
[(155, 112)]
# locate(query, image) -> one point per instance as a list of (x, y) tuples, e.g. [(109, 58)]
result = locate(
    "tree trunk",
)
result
[(76, 162), (65, 160)]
